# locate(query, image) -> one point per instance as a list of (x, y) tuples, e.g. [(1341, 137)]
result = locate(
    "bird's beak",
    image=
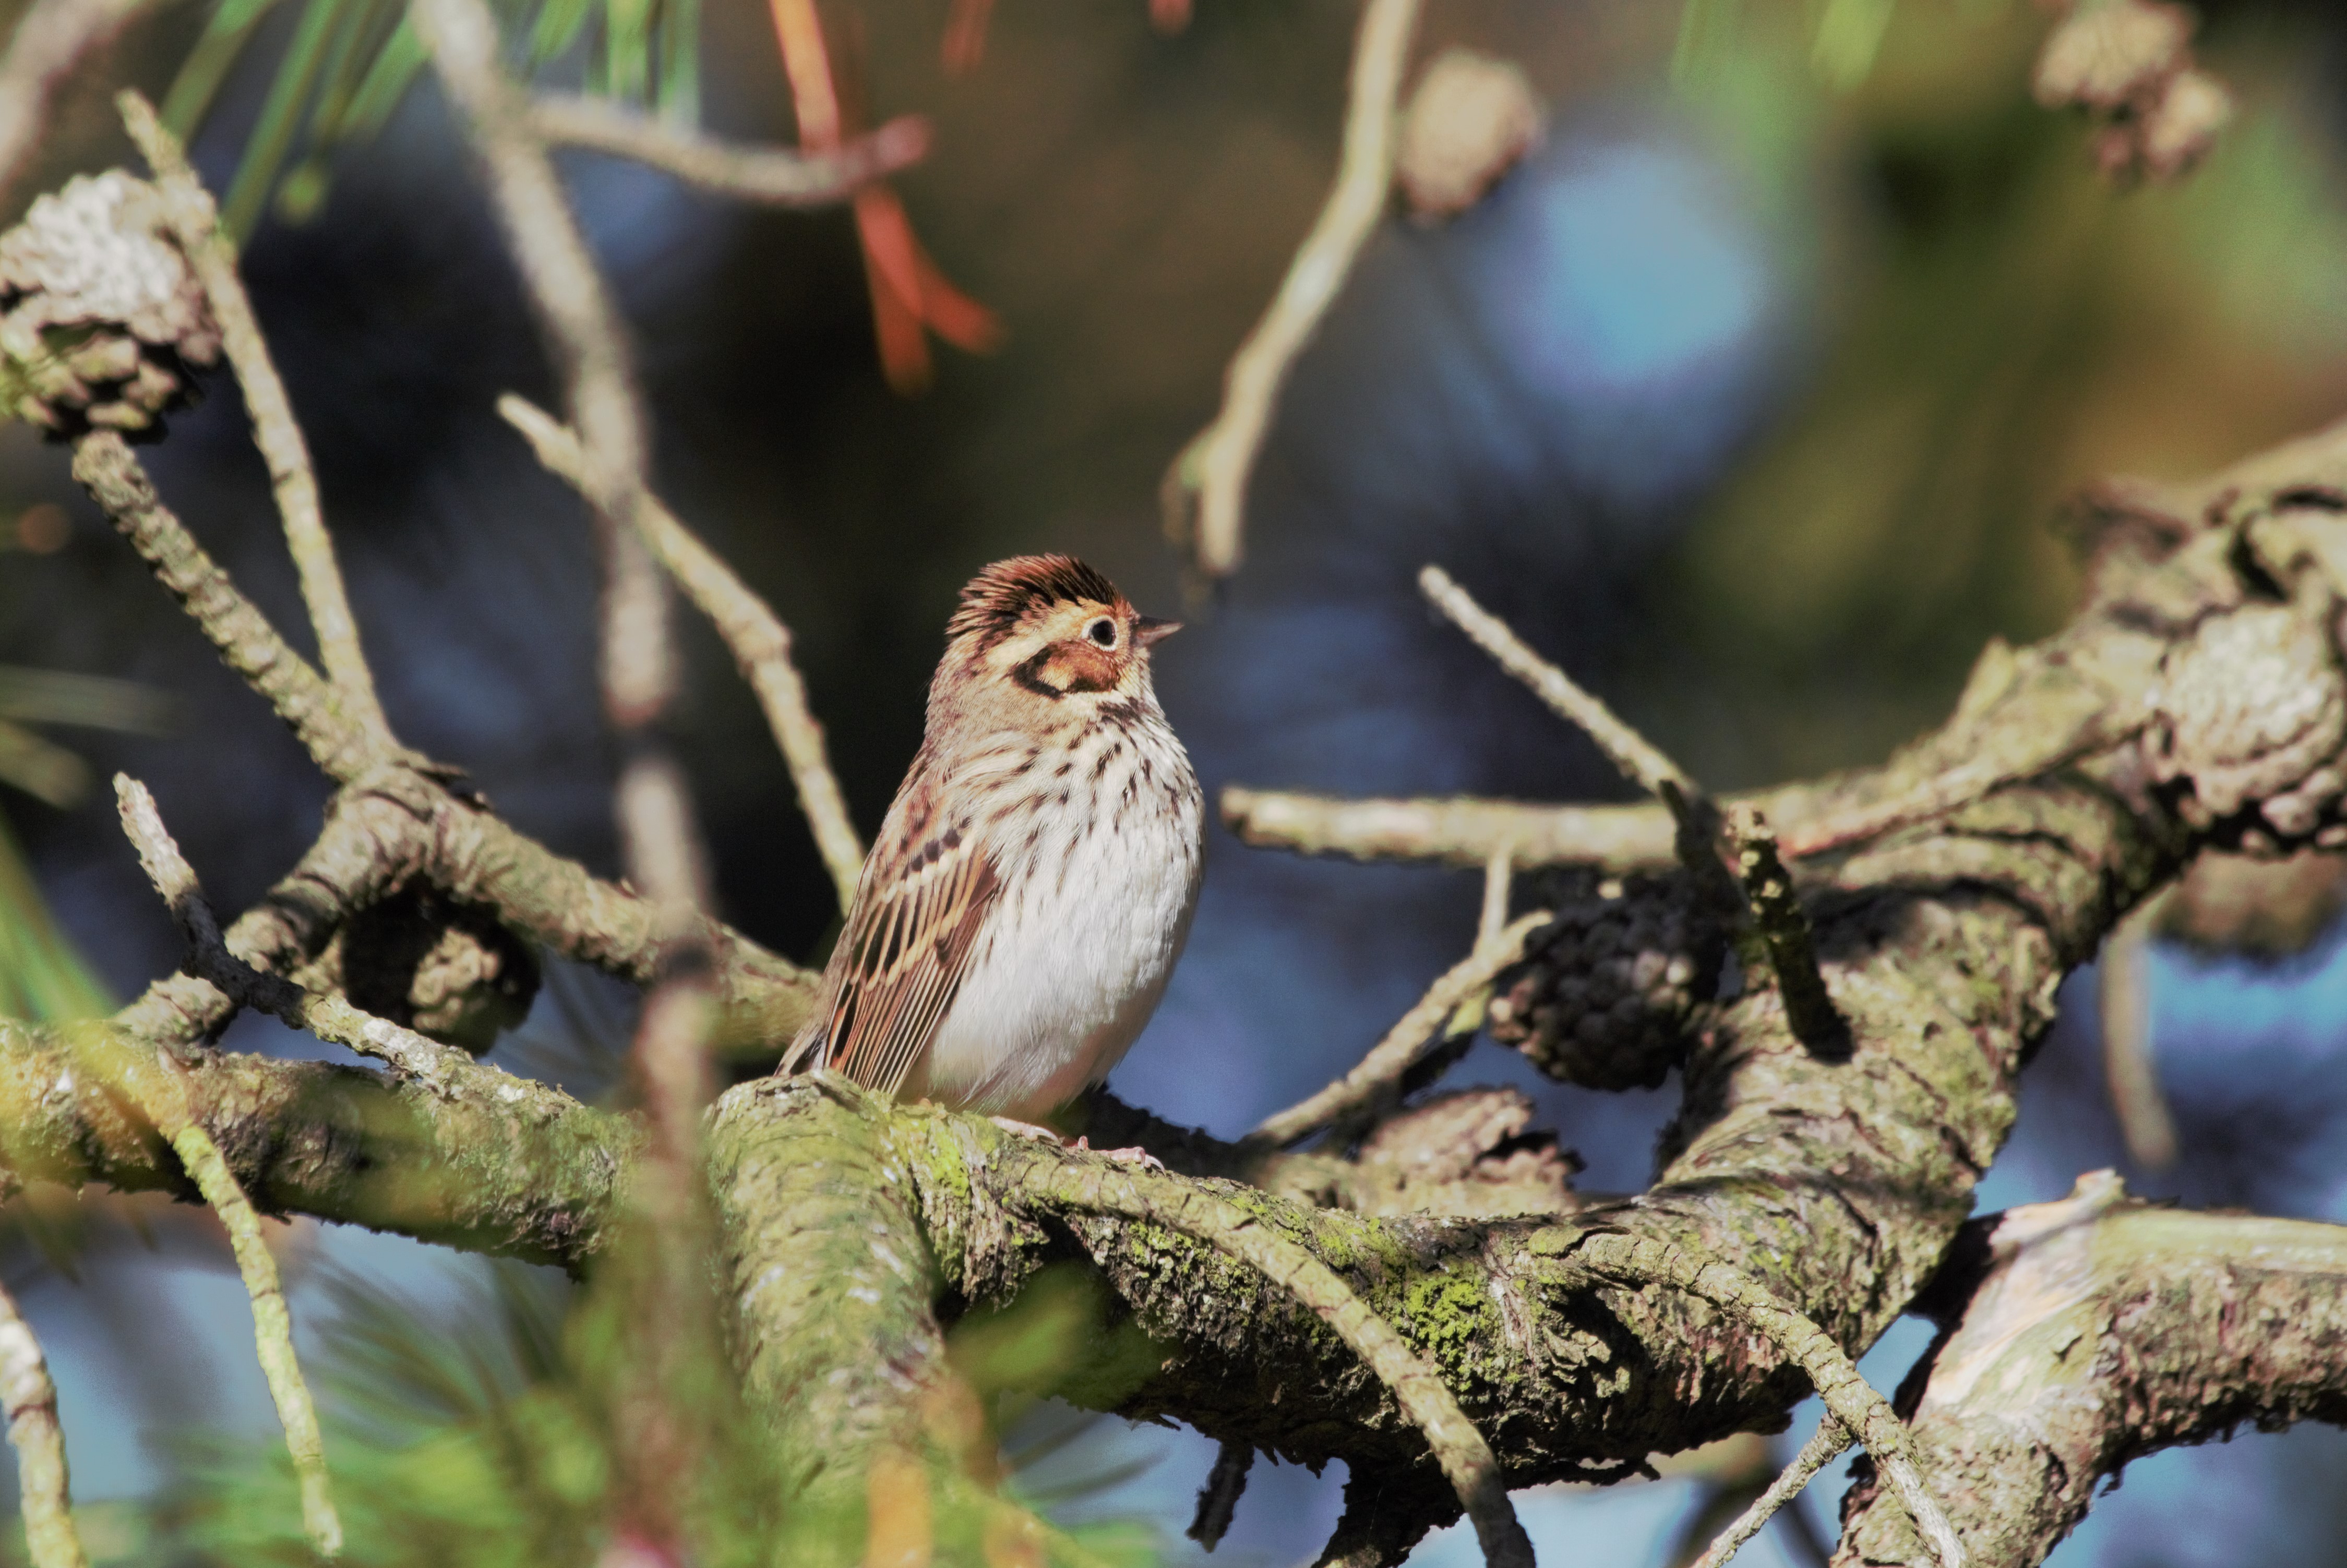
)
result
[(1149, 629)]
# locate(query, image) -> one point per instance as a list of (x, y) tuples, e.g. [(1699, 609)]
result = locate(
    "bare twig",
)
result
[(2126, 998), (1218, 1500), (1693, 813), (1466, 1459), (1378, 1074), (777, 176), (1637, 759), (166, 1098), (53, 35), (188, 207), (1825, 1445), (1458, 831), (31, 1399), (582, 330), (1499, 876), (272, 1331), (1205, 493), (1849, 1399), (329, 1018), (760, 643), (318, 714), (1778, 917)]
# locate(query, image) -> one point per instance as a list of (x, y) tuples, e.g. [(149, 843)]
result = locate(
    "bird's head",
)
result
[(1054, 630)]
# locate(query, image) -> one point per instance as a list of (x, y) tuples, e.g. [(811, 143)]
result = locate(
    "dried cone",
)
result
[(1471, 119), (2128, 63), (101, 320), (1608, 996)]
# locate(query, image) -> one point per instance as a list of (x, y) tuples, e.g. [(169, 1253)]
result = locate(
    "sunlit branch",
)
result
[(44, 1496), (1377, 1076), (1826, 1444), (1205, 492), (188, 207), (759, 641), (273, 1326)]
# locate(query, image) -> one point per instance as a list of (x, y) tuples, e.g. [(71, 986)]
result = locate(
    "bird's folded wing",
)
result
[(906, 950)]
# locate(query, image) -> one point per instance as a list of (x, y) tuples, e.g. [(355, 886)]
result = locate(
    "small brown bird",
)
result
[(1034, 882)]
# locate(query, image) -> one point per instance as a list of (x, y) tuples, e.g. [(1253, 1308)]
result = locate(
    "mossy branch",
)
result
[(1103, 1186)]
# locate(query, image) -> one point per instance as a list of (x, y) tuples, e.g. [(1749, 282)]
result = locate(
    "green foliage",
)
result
[(482, 1436), (350, 62), (42, 978)]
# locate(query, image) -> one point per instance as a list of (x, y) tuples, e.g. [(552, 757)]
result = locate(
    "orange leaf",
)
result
[(799, 33), (896, 1496)]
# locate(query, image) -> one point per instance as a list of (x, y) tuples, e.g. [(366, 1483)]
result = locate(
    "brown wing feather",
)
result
[(903, 956)]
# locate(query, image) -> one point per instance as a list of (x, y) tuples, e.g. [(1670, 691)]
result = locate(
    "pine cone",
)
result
[(101, 318), (1606, 996)]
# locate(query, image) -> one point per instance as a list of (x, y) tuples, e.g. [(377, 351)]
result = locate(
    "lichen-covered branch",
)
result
[(2100, 1329), (195, 224), (50, 37), (2197, 699), (518, 1170)]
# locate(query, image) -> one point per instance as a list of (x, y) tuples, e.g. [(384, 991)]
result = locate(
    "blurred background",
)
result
[(1750, 397)]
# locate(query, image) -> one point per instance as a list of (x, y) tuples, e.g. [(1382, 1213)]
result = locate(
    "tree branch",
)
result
[(1205, 492), (50, 39), (195, 224), (760, 643), (31, 1400), (2103, 1329), (777, 176)]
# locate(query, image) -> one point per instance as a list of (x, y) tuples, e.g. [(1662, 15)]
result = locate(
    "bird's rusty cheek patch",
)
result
[(1068, 666)]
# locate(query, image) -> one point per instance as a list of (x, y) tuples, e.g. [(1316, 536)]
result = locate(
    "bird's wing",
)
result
[(907, 946)]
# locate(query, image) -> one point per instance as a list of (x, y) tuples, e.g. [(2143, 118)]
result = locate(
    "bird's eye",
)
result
[(1103, 631)]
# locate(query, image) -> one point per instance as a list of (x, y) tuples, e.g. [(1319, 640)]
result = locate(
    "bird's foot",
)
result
[(1131, 1156), (1026, 1130), (1136, 1156)]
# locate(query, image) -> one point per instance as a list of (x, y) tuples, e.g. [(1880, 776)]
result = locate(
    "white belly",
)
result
[(1077, 949)]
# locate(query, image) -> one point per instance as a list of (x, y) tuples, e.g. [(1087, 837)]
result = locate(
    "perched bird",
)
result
[(1034, 882)]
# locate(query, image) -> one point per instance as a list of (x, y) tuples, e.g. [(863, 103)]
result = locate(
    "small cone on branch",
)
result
[(2128, 63), (1471, 119), (101, 320)]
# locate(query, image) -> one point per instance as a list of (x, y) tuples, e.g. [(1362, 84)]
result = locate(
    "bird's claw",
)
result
[(1136, 1156)]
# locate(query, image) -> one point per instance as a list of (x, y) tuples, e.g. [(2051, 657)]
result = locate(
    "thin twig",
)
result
[(2126, 998), (1378, 1074), (1466, 1459), (1693, 813), (273, 1327), (1848, 1396), (1638, 760), (1499, 878), (48, 42), (318, 714), (777, 176), (1218, 1500), (1205, 493), (759, 641), (1825, 1445), (329, 1018), (583, 331), (272, 1331), (1784, 927), (195, 224), (31, 1396)]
